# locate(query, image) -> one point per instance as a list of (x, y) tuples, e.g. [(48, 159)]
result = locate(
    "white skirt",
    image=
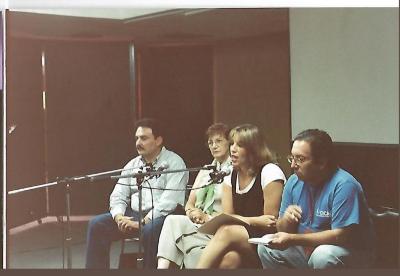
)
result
[(180, 242)]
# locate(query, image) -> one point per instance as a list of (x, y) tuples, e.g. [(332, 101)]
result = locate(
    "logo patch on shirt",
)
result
[(323, 214)]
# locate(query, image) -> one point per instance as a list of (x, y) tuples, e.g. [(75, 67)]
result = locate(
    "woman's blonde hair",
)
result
[(250, 138)]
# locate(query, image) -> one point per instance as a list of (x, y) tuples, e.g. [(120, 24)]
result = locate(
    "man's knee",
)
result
[(101, 225), (95, 223), (327, 256), (261, 250), (153, 228), (147, 229), (263, 254)]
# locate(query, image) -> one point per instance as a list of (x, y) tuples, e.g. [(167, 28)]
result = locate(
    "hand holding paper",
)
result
[(264, 240)]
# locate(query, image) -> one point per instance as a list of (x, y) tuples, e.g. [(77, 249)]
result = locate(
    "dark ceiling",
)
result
[(183, 26)]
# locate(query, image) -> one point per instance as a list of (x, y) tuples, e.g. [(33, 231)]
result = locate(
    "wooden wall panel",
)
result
[(25, 144), (376, 167), (177, 88), (252, 85), (89, 125), (90, 119)]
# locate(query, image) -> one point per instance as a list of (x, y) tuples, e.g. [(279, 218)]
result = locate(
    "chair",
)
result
[(129, 259), (386, 223)]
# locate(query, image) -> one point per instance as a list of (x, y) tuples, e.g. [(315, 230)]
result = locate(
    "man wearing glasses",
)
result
[(323, 219)]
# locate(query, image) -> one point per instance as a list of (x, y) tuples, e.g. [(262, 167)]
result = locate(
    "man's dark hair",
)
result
[(321, 145), (154, 124)]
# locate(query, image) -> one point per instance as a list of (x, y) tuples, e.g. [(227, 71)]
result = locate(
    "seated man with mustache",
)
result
[(122, 219)]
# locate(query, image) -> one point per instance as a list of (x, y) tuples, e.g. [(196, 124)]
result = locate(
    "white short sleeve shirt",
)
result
[(269, 173)]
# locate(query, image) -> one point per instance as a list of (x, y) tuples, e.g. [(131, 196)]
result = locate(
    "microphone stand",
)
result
[(68, 237), (139, 182), (97, 176), (67, 180)]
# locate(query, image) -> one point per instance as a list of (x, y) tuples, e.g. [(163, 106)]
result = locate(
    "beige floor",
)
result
[(41, 246)]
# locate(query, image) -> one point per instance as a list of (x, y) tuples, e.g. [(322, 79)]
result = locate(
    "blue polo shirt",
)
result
[(340, 202)]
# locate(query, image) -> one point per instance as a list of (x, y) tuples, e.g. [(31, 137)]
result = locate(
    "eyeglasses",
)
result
[(297, 159), (216, 142)]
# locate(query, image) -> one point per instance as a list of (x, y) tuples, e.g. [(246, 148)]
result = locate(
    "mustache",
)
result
[(139, 148)]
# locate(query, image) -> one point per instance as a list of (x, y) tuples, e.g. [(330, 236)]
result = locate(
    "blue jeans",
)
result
[(323, 256), (102, 231)]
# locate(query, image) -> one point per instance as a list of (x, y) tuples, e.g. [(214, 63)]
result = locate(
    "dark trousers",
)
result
[(102, 231)]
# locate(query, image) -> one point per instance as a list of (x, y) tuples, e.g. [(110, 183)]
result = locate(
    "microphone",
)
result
[(224, 172), (111, 174), (218, 176), (148, 167), (152, 170), (163, 166), (162, 169), (209, 167)]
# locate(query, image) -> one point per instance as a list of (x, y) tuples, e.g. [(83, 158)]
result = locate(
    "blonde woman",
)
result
[(180, 244), (253, 193)]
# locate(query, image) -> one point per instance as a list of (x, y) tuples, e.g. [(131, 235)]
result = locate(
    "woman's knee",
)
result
[(170, 219), (232, 233), (231, 260)]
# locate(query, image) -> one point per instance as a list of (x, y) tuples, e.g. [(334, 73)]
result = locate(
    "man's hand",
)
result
[(290, 219), (126, 224), (281, 241), (292, 214)]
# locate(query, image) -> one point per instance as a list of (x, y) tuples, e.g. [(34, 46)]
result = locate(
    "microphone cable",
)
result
[(146, 180), (152, 211)]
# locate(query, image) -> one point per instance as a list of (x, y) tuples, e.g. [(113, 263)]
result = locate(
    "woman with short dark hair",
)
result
[(180, 243)]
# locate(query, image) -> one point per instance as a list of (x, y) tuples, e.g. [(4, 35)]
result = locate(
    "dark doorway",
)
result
[(175, 85)]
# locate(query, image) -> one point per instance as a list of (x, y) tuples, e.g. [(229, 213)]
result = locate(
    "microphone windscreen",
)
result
[(210, 167), (226, 171), (163, 166)]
